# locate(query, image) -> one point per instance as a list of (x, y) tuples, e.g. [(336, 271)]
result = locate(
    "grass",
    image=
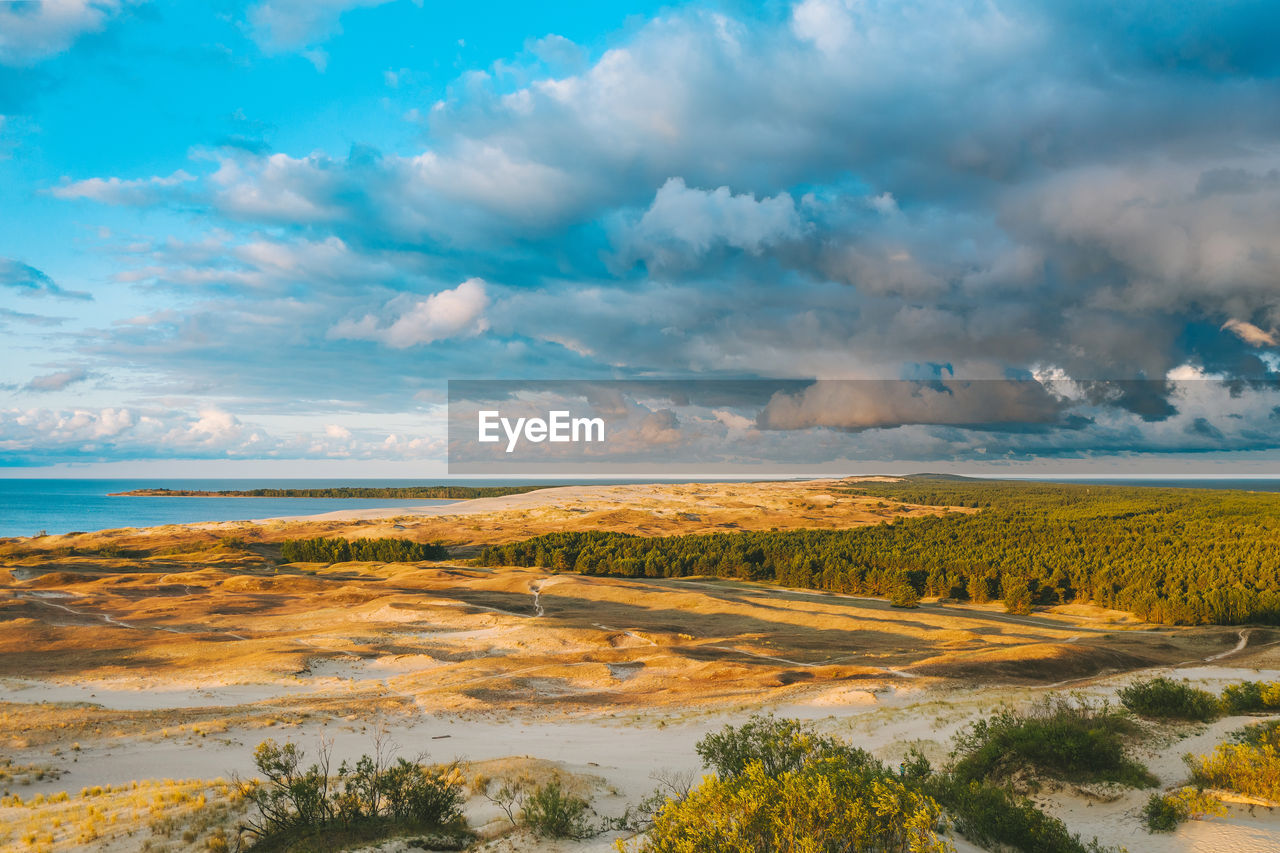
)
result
[(147, 812)]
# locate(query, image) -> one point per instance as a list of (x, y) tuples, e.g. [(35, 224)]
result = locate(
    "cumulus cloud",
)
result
[(456, 313), (870, 189), (29, 281), (684, 223), (31, 32), (40, 436)]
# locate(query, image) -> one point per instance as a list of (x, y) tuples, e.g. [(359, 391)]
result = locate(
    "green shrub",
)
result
[(993, 816), (338, 550), (552, 812), (1164, 698), (1055, 738), (824, 804), (776, 745), (295, 807), (1163, 812), (1250, 697)]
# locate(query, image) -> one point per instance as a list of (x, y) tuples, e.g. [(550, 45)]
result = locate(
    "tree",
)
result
[(1017, 594)]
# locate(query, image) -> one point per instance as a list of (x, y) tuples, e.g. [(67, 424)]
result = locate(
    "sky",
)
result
[(259, 238)]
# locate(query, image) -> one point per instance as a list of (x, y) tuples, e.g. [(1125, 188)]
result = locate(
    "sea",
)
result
[(53, 505)]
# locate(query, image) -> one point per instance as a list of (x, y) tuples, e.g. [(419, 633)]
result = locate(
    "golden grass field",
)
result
[(116, 670)]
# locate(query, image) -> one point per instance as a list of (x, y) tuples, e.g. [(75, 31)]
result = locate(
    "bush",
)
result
[(1250, 766), (551, 812), (1164, 698), (1054, 738), (1259, 734), (993, 816), (1163, 812), (338, 550), (1250, 697), (297, 806), (778, 746), (824, 804)]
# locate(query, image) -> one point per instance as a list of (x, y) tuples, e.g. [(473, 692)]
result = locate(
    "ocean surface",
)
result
[(62, 506), (30, 506)]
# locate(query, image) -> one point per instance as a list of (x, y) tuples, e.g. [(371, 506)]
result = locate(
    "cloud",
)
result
[(683, 224), (1250, 333), (869, 404), (57, 381), (141, 192), (294, 25), (31, 32), (46, 436), (8, 315), (448, 314), (30, 281), (871, 189)]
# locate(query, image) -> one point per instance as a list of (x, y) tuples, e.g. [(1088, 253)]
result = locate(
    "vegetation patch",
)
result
[(1175, 556), (1250, 766), (1058, 739), (779, 785), (1251, 697), (1165, 699), (299, 808), (338, 550), (1163, 812)]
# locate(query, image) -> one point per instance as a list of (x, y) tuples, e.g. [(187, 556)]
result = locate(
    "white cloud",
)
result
[(683, 223), (30, 32), (292, 25), (455, 313), (138, 192)]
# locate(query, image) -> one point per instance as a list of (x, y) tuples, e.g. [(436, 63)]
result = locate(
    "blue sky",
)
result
[(258, 237)]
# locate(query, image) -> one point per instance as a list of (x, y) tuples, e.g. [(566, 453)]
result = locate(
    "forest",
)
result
[(338, 550), (444, 493), (1173, 556)]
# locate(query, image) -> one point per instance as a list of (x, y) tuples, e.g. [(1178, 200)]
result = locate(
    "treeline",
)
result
[(321, 550), (442, 493), (1175, 556)]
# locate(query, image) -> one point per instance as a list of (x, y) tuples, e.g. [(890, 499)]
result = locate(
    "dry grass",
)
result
[(147, 815)]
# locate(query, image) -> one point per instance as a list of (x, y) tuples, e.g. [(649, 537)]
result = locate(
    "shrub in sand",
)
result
[(1250, 766), (1166, 699), (1056, 738)]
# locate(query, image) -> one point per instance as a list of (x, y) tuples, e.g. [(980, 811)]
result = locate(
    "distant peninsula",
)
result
[(444, 493)]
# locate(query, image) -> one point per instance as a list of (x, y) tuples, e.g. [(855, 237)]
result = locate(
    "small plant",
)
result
[(552, 812), (1163, 812), (1166, 699)]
